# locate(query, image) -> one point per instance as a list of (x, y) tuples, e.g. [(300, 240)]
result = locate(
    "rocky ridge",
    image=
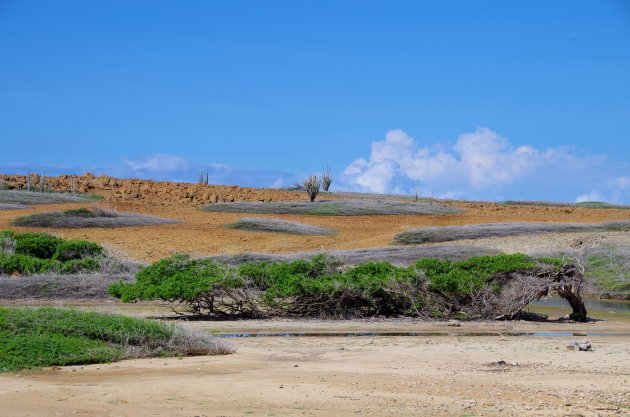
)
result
[(149, 191)]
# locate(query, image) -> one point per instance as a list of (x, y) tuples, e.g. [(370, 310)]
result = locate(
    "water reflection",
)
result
[(590, 303)]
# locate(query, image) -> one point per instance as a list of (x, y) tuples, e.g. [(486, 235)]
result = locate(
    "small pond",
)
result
[(590, 303)]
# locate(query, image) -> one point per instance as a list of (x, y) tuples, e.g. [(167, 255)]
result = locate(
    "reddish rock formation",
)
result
[(152, 192)]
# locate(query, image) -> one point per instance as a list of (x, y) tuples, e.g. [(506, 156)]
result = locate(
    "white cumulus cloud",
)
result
[(481, 164)]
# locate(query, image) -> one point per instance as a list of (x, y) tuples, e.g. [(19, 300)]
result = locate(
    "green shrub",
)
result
[(468, 275), (80, 212), (10, 234), (177, 278), (76, 266), (557, 262), (29, 265), (319, 287), (39, 245), (24, 264), (38, 253), (33, 338), (76, 249), (310, 288)]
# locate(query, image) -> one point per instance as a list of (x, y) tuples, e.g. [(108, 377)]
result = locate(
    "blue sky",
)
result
[(468, 99)]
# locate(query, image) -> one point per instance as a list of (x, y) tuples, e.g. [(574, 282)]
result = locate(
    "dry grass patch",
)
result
[(263, 224), (23, 197), (341, 207), (481, 231), (12, 206), (396, 255), (585, 204), (85, 218)]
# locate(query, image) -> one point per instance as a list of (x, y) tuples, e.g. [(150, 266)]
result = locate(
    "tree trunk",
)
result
[(570, 291)]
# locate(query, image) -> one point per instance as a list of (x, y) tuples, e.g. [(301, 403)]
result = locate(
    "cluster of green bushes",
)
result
[(324, 287), (33, 338), (38, 253)]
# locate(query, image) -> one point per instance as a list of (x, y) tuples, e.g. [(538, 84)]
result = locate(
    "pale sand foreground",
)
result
[(349, 376)]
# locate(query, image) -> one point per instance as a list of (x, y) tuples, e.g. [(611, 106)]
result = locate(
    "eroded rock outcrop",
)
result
[(149, 191)]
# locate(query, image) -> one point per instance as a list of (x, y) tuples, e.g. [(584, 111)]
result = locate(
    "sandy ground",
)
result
[(203, 233), (349, 376)]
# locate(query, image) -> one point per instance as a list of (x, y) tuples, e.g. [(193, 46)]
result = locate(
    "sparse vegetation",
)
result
[(479, 287), (24, 197), (203, 177), (296, 187), (35, 338), (609, 269), (585, 204), (326, 179), (606, 270), (340, 207), (312, 185), (396, 255), (480, 231), (84, 218), (11, 206), (264, 224), (76, 286)]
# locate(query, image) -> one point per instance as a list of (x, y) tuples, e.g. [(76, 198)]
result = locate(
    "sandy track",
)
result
[(203, 233)]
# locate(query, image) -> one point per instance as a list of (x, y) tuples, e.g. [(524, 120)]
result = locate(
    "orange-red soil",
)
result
[(203, 233)]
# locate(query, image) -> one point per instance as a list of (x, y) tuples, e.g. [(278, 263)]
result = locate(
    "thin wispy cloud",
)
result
[(159, 162)]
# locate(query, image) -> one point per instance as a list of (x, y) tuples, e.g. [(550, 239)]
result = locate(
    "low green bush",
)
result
[(39, 245), (466, 276), (557, 262), (39, 253), (76, 249), (24, 264), (76, 266), (9, 234), (80, 212), (34, 338), (29, 265), (177, 278)]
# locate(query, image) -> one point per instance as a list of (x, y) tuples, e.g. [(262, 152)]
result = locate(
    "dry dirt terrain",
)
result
[(203, 233), (440, 375)]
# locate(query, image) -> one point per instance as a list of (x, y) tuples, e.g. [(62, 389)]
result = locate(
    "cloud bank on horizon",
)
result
[(484, 165), (480, 165)]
